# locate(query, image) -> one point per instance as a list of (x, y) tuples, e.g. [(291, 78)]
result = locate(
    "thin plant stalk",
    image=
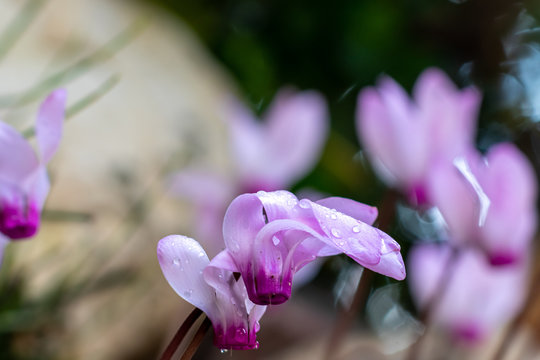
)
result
[(197, 340), (180, 334)]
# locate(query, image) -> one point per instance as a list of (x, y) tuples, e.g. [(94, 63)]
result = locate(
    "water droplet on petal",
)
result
[(356, 229), (275, 240), (341, 243), (223, 351), (201, 254), (241, 331), (176, 262), (304, 204), (335, 233), (188, 293)]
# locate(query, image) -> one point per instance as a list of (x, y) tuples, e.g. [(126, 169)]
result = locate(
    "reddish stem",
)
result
[(197, 339), (180, 334)]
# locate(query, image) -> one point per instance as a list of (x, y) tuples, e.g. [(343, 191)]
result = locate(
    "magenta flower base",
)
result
[(266, 289), (17, 223), (235, 338)]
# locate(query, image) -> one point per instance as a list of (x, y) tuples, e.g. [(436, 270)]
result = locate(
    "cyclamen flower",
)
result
[(477, 298), (212, 289), (271, 235), (24, 184), (403, 136), (490, 202), (268, 155)]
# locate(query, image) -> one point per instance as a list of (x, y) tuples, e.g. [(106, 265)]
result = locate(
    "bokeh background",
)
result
[(89, 285)]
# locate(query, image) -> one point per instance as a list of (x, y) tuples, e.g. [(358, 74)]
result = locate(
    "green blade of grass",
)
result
[(18, 25), (75, 70)]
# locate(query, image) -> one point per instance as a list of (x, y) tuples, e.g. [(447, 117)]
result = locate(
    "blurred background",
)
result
[(89, 285)]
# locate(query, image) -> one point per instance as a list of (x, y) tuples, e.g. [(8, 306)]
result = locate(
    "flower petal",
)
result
[(17, 163), (365, 213), (297, 127), (510, 183), (451, 113), (463, 308), (392, 133), (182, 261), (49, 124)]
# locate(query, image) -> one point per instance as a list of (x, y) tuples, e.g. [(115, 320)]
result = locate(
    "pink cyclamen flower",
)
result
[(402, 136), (212, 289), (476, 298), (267, 155), (271, 235), (24, 184), (488, 201)]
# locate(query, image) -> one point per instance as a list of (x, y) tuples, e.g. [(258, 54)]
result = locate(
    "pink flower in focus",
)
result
[(24, 184), (213, 289), (490, 202), (476, 300), (268, 155), (271, 235), (403, 136)]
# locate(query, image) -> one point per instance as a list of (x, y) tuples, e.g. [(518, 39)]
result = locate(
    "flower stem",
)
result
[(425, 315), (197, 339), (180, 334)]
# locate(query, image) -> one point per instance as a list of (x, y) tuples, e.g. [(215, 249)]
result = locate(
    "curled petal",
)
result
[(49, 124)]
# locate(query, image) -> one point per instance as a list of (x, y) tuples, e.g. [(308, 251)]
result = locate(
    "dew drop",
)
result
[(291, 202), (304, 204), (223, 351), (356, 229), (333, 216), (335, 233), (275, 240), (188, 293), (241, 331), (176, 262), (341, 243), (201, 254)]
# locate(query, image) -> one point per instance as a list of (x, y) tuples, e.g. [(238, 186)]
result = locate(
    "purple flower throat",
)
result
[(19, 221)]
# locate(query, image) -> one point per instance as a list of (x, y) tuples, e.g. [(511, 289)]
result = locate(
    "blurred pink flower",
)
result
[(488, 201), (267, 155), (476, 299), (212, 289), (24, 184), (271, 235), (403, 136)]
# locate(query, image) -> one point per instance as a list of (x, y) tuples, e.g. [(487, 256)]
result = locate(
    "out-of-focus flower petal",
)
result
[(210, 194), (451, 113), (18, 160), (392, 132), (182, 261), (365, 213), (455, 198), (49, 124), (510, 183), (273, 154), (477, 299), (297, 127)]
